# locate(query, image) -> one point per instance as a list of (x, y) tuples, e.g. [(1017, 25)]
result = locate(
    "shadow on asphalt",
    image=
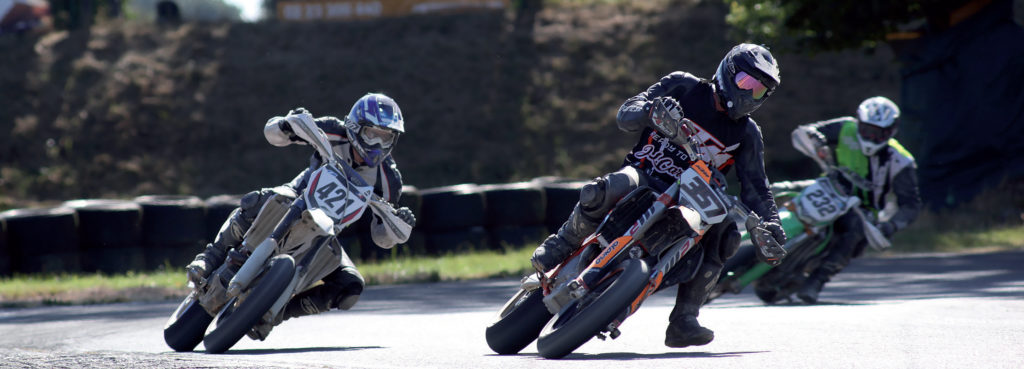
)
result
[(666, 355), (298, 350)]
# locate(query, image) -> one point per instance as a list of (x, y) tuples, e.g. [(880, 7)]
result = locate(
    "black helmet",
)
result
[(745, 78)]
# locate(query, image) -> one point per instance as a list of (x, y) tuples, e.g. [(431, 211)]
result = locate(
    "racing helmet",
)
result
[(373, 126), (745, 78), (877, 121)]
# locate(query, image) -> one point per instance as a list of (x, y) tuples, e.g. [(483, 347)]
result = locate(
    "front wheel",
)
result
[(185, 329), (519, 322), (269, 288), (577, 323)]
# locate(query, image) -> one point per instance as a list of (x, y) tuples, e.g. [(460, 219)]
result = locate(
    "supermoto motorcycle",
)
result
[(625, 260), (290, 246), (808, 212)]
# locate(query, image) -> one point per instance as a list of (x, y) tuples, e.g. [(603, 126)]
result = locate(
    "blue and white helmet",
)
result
[(373, 125), (877, 122)]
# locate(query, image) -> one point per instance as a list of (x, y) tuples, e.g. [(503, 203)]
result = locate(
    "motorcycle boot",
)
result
[(341, 290), (812, 286), (838, 257), (810, 290), (596, 199), (683, 329), (229, 236)]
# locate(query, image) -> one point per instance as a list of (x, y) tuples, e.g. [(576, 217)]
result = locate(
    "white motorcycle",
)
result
[(290, 246)]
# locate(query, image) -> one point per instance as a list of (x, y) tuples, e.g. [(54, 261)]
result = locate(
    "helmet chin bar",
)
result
[(869, 148)]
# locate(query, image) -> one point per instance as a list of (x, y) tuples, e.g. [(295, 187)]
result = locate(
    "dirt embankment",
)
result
[(124, 109)]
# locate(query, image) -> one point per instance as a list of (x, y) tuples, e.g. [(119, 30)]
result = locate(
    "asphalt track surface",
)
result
[(913, 311)]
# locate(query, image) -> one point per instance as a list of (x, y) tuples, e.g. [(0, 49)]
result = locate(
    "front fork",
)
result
[(259, 256), (611, 255)]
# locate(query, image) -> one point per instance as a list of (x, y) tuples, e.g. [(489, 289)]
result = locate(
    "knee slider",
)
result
[(730, 243), (592, 194), (249, 206)]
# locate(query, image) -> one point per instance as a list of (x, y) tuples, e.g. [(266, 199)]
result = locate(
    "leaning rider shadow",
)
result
[(298, 350), (664, 355)]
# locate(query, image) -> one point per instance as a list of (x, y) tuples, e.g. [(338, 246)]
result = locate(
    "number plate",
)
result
[(331, 192), (694, 188), (819, 203)]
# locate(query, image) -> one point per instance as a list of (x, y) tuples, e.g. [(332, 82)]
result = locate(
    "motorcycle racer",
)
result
[(864, 144), (720, 110), (364, 139)]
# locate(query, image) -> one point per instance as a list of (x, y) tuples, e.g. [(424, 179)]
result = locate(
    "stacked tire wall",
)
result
[(167, 231)]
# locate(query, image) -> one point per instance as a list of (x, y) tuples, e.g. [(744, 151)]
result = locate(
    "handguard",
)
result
[(768, 250), (396, 228)]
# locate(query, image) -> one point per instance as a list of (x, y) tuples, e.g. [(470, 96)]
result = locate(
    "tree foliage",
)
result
[(834, 24)]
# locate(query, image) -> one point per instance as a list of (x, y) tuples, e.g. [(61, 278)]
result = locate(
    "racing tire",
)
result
[(768, 295), (452, 208), (187, 325), (575, 325), (173, 229), (5, 251), (218, 209), (519, 322), (267, 290), (559, 199), (110, 235), (513, 204), (42, 240)]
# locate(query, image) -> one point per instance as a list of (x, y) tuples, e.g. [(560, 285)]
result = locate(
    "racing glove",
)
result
[(406, 215), (666, 115), (766, 237), (286, 127)]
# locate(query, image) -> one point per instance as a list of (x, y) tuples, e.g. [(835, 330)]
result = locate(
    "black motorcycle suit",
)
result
[(732, 143)]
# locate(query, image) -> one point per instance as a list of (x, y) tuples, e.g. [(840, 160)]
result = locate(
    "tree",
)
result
[(838, 24), (71, 14)]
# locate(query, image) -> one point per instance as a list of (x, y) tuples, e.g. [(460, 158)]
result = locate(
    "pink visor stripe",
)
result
[(747, 82)]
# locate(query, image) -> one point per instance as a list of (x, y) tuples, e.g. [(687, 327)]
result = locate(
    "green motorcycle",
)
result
[(809, 210)]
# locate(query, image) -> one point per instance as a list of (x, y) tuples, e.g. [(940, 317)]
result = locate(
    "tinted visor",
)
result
[(747, 82), (873, 133), (373, 135)]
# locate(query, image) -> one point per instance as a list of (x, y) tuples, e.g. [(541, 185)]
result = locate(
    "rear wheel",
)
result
[(232, 327), (519, 322), (576, 323), (185, 329)]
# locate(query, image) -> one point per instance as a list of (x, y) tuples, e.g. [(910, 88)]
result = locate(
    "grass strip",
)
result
[(67, 289)]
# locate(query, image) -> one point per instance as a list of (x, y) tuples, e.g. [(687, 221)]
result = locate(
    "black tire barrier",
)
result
[(218, 208), (173, 229), (561, 198), (452, 242), (514, 237), (42, 240), (109, 234), (452, 208), (514, 204), (5, 251)]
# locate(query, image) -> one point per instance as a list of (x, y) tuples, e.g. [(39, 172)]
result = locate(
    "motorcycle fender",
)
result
[(251, 267), (324, 223), (692, 217), (530, 282)]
